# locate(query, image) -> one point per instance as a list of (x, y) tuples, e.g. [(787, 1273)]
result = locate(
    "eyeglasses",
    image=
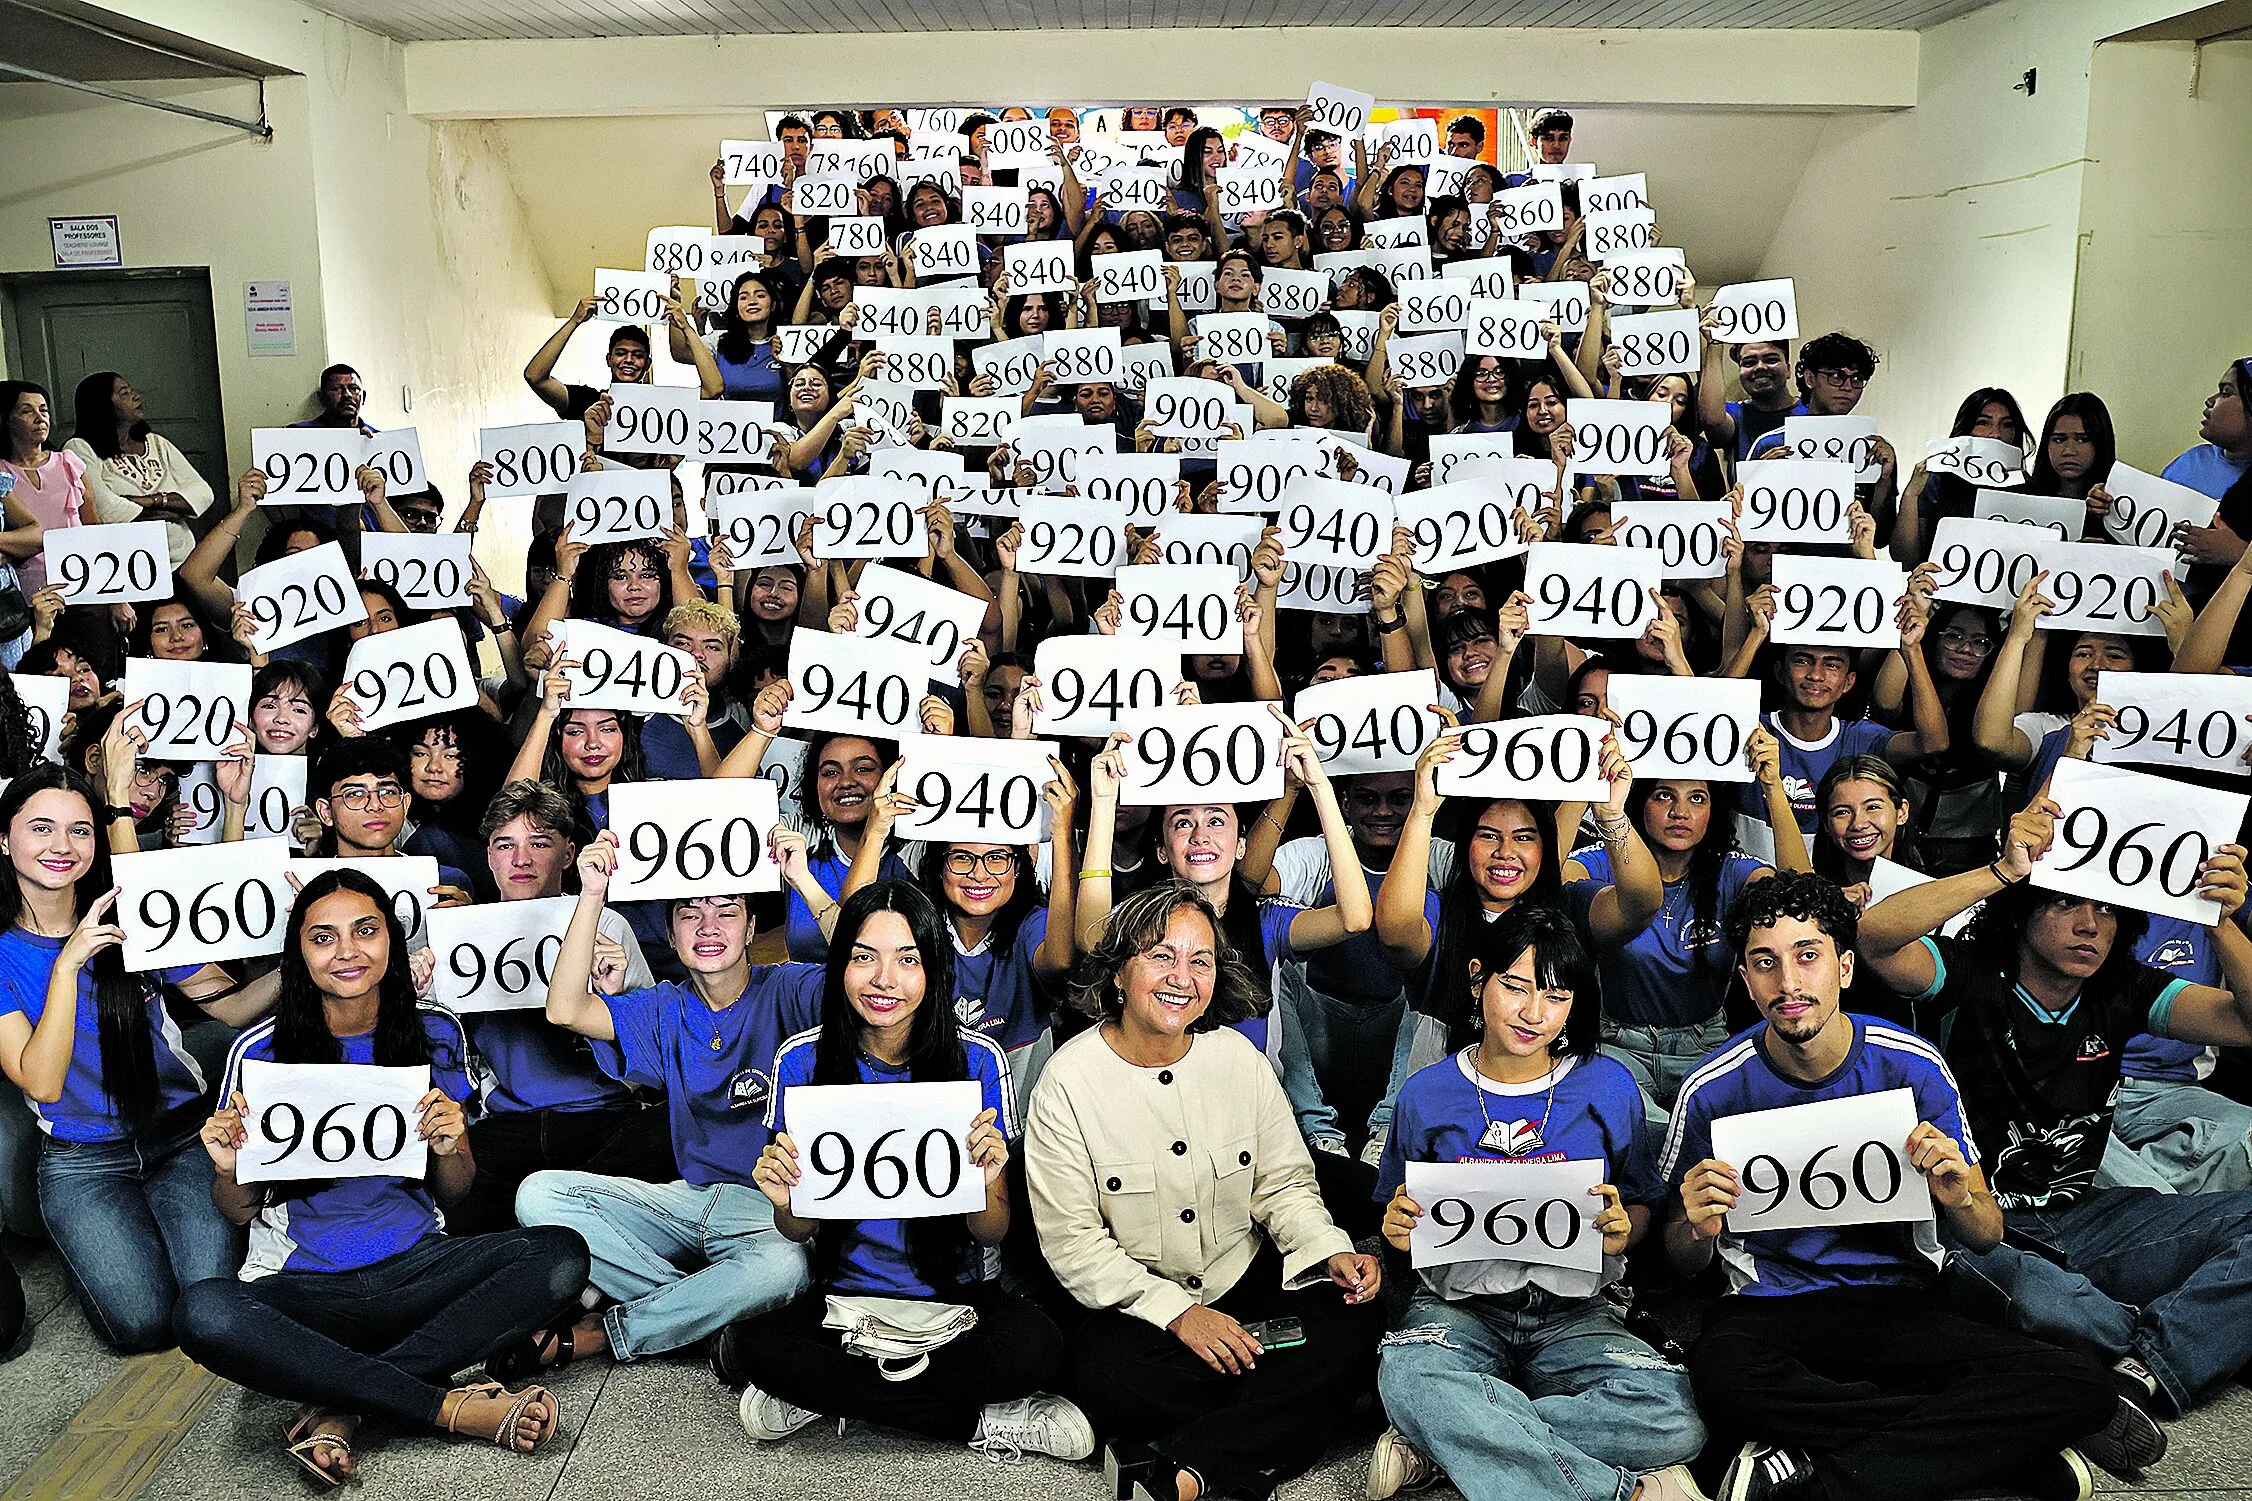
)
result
[(1980, 644), (996, 862), (358, 798), (1843, 377)]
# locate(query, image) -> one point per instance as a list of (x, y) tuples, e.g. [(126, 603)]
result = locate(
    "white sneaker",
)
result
[(1038, 1424), (1372, 1150), (1394, 1467), (770, 1418), (1673, 1483)]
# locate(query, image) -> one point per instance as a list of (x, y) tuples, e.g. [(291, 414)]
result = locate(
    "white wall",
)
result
[(1947, 234)]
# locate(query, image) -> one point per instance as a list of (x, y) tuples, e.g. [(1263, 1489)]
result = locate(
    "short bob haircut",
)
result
[(1560, 962), (1135, 927)]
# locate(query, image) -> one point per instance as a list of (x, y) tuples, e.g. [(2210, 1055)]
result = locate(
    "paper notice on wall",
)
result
[(268, 319)]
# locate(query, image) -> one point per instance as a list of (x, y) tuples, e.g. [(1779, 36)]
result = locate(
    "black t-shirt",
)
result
[(577, 399), (2038, 1088)]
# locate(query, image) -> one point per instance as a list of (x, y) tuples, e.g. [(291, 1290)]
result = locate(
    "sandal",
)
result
[(305, 1447), (530, 1355), (511, 1426)]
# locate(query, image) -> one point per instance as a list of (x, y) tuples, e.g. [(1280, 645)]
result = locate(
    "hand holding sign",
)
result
[(1835, 1162), (313, 1121), (876, 1151), (1533, 1213)]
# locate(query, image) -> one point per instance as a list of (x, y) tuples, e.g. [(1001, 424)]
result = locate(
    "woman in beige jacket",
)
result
[(1232, 1322)]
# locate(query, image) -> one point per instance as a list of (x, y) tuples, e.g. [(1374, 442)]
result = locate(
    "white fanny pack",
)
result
[(898, 1334)]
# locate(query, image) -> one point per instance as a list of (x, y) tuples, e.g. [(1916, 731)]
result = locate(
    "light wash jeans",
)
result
[(1660, 1058), (2177, 1138), (639, 1233), (1348, 1043), (1532, 1397), (2126, 1271)]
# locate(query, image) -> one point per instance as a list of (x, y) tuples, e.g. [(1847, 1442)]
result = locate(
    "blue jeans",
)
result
[(2126, 1271), (638, 1234), (1660, 1058), (135, 1224), (1533, 1397), (1337, 1047), (2177, 1138)]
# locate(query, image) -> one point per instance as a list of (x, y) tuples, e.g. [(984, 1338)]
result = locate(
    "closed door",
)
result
[(152, 327)]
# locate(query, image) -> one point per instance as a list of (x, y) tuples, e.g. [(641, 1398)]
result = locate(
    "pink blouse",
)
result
[(53, 494)]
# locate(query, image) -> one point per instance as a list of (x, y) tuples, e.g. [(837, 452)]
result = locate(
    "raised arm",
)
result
[(572, 1001), (1400, 924), (1891, 930), (1105, 775), (1993, 723), (1353, 913), (540, 373)]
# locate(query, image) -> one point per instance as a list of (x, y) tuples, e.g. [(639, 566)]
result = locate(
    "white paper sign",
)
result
[(651, 419), (1202, 754), (1530, 209), (824, 193), (1233, 338), (318, 1121), (945, 250), (1425, 359), (191, 711), (406, 879), (1796, 500), (1185, 538), (1072, 537), (1012, 364), (308, 466), (1618, 231), (975, 790), (862, 516), (1689, 536), (277, 791), (2098, 586), (46, 698), (1324, 588), (1983, 562), (1193, 607), (884, 1151), (1039, 266), (530, 459), (630, 296), (733, 432), (1552, 756), (621, 670), (2060, 516), (1755, 312), (1980, 461), (303, 594), (1088, 683), (2136, 840), (430, 572), (1618, 437), (1284, 293), (1568, 302), (1532, 1213), (498, 956), (1254, 473), (696, 838), (1666, 343), (1462, 524), (1834, 1162), (410, 673), (109, 564), (995, 211), (1506, 327), (1585, 589), (1850, 602), (202, 904), (1331, 521), (2169, 719), (617, 504), (1343, 112), (750, 161), (1370, 724), (1145, 483), (977, 421), (1850, 439), (1129, 276), (855, 683), (2145, 509), (1686, 727), (761, 527), (901, 608), (1079, 355), (1052, 447)]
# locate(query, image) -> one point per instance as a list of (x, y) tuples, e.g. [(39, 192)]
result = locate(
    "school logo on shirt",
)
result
[(748, 1090), (1696, 935), (2171, 954), (969, 1010), (2093, 1049), (1511, 1138)]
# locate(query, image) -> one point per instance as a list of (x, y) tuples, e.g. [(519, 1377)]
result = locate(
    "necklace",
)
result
[(1499, 1135)]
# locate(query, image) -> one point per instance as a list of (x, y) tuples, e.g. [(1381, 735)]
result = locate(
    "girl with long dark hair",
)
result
[(1863, 810), (353, 1300), (135, 474), (743, 341), (122, 1187), (1989, 412), (886, 1019), (1947, 650), (2075, 455)]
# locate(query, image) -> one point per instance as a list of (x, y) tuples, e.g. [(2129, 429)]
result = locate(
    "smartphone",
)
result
[(1277, 1334)]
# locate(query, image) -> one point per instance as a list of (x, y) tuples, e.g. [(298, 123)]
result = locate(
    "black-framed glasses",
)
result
[(1843, 377), (995, 862)]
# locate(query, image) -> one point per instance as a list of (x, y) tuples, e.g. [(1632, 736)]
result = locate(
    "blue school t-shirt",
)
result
[(2181, 951), (1674, 973), (801, 932), (873, 1259), (996, 994), (350, 1223), (85, 1113), (716, 1065), (1583, 1110), (1805, 762), (1738, 1079)]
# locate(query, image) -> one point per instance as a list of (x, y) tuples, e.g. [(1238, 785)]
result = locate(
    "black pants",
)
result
[(11, 1306), (384, 1339), (1894, 1394), (1014, 1351), (632, 1140), (1139, 1383)]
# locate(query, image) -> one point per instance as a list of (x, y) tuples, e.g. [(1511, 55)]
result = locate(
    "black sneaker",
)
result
[(2134, 1381), (2063, 1478), (2129, 1444), (1763, 1472)]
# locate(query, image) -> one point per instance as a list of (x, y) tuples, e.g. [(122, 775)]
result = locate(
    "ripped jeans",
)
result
[(1533, 1397)]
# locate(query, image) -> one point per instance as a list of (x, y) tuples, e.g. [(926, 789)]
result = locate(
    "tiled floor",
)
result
[(665, 1431)]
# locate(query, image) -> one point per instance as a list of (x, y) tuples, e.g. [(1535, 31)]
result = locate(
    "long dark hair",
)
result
[(819, 831), (1022, 903), (1462, 910), (301, 1033), (1708, 858), (1831, 861), (935, 1247), (734, 344), (632, 765), (95, 414), (121, 1000), (2095, 419), (1193, 179), (482, 745), (19, 738), (1560, 962)]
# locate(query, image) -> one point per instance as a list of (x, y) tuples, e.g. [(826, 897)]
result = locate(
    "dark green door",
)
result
[(152, 327)]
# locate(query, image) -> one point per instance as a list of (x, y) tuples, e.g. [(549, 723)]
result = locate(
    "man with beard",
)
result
[(1834, 1352)]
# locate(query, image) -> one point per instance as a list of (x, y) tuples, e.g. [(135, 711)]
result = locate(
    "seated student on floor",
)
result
[(1834, 1355), (885, 1019), (1518, 1381), (352, 1300), (677, 1261), (2036, 1003)]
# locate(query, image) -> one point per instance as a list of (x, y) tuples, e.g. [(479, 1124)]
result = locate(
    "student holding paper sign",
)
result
[(2037, 1002), (123, 1191), (684, 1259), (1834, 1352), (742, 345), (627, 356), (885, 1020), (353, 1301), (1990, 412), (1613, 1417)]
